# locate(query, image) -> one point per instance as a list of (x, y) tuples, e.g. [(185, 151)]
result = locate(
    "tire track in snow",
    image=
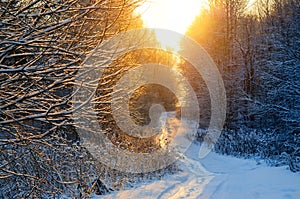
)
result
[(194, 178)]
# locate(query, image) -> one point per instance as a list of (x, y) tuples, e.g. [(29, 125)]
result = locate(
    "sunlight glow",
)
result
[(174, 15), (251, 6)]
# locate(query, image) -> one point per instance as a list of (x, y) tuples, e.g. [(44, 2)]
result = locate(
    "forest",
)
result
[(258, 56), (44, 43)]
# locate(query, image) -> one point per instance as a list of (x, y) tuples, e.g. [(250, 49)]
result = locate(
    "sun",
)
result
[(175, 15)]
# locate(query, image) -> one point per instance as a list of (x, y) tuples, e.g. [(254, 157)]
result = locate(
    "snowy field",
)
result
[(218, 177)]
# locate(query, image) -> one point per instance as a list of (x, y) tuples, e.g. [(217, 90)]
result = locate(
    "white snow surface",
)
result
[(218, 176)]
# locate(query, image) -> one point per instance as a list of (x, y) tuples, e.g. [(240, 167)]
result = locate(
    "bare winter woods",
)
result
[(256, 48), (44, 42)]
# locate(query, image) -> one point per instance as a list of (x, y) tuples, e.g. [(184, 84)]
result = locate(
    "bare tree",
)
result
[(258, 56), (42, 44)]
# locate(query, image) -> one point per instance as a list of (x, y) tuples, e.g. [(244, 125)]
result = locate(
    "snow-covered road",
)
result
[(218, 177)]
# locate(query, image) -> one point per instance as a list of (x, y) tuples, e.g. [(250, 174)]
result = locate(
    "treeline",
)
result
[(42, 46), (257, 50)]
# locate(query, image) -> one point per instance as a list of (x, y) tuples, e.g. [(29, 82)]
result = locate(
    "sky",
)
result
[(174, 15)]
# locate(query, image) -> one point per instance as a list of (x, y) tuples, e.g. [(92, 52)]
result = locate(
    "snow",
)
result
[(218, 176)]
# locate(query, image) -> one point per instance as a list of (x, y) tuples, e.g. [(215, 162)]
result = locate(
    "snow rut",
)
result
[(192, 181)]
